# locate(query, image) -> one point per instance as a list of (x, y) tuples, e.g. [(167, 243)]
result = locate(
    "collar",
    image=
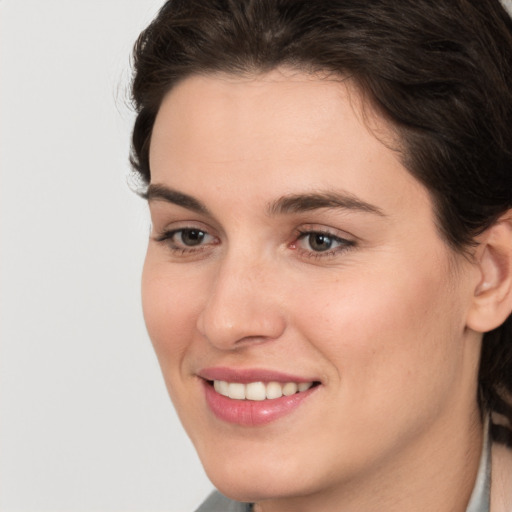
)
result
[(480, 500)]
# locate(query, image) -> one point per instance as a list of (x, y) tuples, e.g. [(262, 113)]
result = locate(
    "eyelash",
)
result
[(344, 245), (168, 238)]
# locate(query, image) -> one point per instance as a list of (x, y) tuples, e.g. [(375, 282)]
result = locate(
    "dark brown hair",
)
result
[(440, 72)]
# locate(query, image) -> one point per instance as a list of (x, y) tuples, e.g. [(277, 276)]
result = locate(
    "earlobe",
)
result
[(492, 299)]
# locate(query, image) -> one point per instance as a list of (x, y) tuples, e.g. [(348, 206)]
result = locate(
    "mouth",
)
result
[(253, 398), (259, 391)]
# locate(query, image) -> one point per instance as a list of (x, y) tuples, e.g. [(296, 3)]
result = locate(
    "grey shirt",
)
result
[(216, 502)]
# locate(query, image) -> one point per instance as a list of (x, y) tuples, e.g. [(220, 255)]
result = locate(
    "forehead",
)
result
[(292, 105), (285, 130), (279, 95)]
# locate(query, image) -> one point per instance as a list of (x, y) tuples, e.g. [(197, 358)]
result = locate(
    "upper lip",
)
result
[(246, 375)]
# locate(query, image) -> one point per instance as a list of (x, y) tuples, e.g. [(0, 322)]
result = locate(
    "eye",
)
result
[(321, 243), (187, 239), (190, 237)]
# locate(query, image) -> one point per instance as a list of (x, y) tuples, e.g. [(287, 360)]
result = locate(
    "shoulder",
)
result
[(216, 502)]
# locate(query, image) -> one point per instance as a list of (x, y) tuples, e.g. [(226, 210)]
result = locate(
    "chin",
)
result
[(259, 478), (255, 489)]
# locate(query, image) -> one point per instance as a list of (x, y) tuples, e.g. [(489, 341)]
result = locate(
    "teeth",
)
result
[(304, 386), (221, 386), (274, 390), (255, 391), (259, 390), (236, 390), (290, 388)]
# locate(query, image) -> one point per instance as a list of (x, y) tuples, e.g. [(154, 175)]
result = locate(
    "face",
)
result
[(294, 261)]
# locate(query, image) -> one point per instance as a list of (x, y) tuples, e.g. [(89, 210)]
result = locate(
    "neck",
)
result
[(435, 473)]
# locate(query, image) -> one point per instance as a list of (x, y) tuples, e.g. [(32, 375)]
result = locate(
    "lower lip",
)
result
[(252, 413)]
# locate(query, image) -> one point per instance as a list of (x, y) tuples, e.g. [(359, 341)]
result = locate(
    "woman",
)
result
[(328, 282)]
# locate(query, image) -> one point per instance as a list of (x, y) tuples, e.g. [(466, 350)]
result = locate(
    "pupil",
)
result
[(320, 242), (192, 237)]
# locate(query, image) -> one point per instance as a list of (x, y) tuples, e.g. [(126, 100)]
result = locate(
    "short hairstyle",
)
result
[(439, 72)]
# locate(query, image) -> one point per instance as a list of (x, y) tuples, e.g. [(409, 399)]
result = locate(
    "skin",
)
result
[(380, 319)]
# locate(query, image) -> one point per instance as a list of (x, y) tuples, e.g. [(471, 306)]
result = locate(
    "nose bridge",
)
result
[(243, 303)]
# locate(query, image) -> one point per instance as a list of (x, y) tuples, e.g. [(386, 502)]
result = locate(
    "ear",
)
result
[(492, 300)]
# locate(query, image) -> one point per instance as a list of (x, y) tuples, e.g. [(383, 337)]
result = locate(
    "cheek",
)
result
[(388, 335), (170, 309)]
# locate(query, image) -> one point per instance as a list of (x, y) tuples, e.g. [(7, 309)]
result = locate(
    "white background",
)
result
[(85, 421)]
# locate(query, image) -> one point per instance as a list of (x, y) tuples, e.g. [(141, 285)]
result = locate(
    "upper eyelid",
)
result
[(165, 222), (344, 240), (340, 238), (168, 233), (177, 225), (298, 232), (327, 230)]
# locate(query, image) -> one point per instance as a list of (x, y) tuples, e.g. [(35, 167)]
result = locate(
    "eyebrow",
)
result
[(293, 203), (297, 203), (157, 192)]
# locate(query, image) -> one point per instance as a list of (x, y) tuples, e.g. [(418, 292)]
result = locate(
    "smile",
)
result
[(254, 397), (259, 391)]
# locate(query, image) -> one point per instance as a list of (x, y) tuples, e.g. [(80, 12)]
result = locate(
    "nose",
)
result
[(243, 306)]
